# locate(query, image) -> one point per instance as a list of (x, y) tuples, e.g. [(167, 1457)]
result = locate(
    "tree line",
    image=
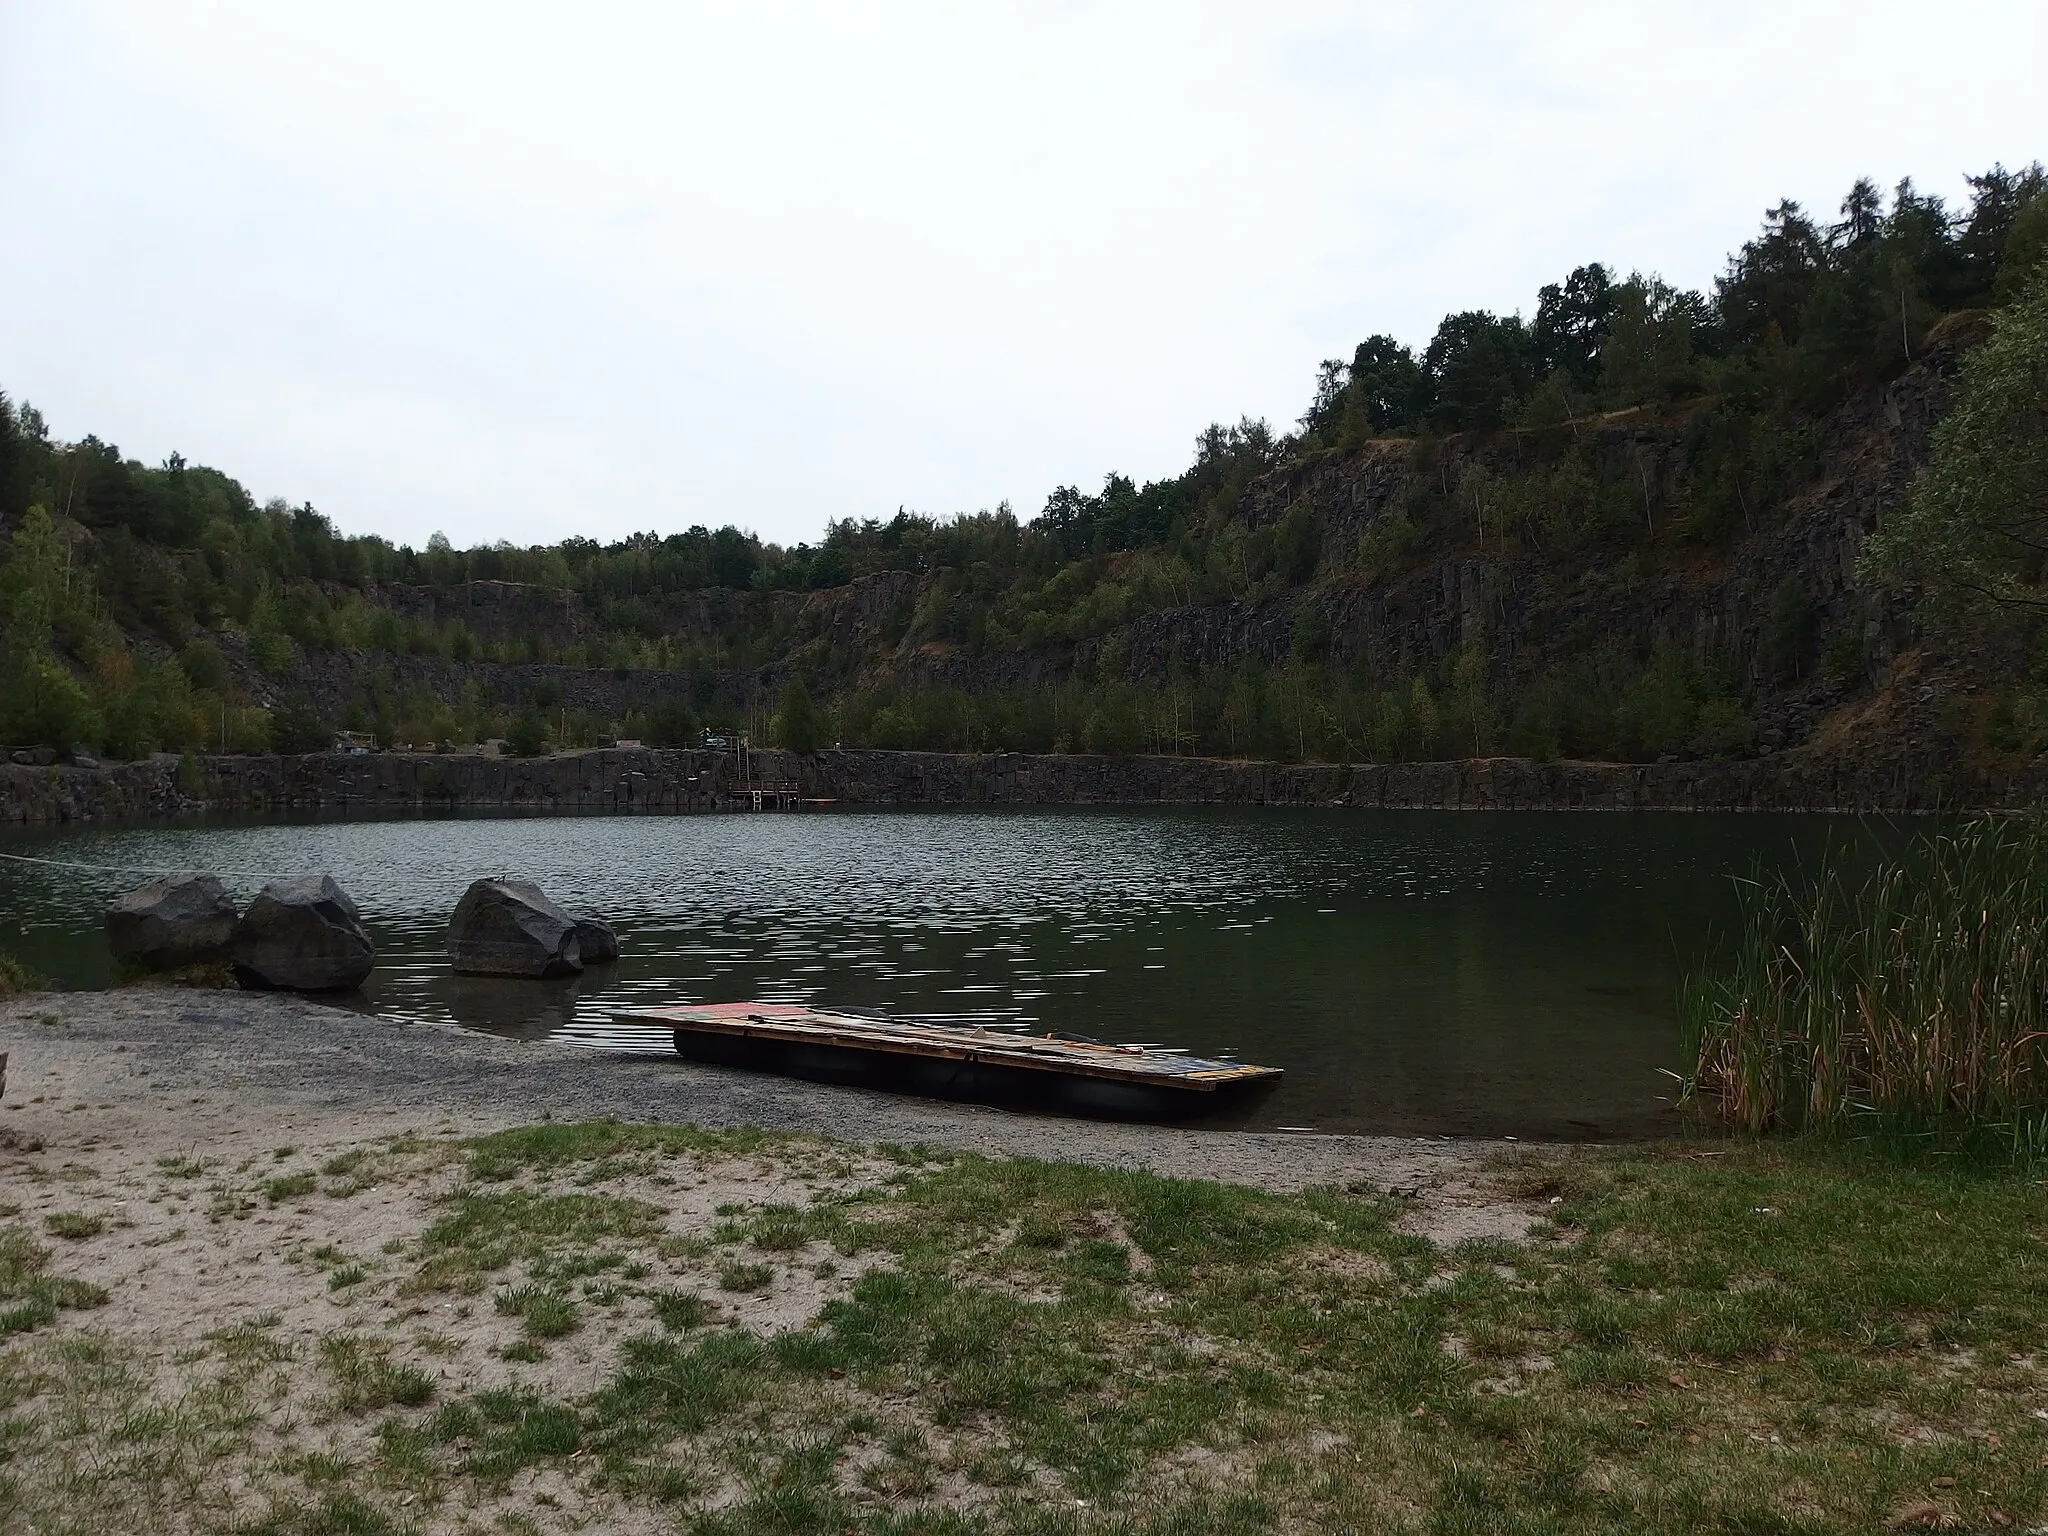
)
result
[(163, 607)]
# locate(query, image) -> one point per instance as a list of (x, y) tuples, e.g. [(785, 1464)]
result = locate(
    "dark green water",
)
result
[(1414, 971)]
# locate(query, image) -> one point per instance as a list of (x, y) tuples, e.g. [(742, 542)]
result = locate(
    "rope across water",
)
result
[(144, 869)]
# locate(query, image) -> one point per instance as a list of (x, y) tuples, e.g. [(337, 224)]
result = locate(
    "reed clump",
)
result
[(16, 977), (1915, 998)]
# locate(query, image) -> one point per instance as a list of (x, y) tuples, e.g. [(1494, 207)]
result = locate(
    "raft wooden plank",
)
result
[(797, 1024), (928, 1040), (901, 1045), (799, 1018), (730, 1018)]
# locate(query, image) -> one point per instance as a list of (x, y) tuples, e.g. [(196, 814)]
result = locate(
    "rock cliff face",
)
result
[(1508, 557), (645, 781), (1587, 547), (1512, 580)]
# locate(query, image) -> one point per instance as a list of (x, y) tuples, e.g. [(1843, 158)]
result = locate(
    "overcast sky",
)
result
[(523, 273)]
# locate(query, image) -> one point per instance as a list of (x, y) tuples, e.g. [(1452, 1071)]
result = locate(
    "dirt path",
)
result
[(164, 1071)]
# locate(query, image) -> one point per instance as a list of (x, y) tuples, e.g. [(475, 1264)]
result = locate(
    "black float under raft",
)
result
[(953, 1062)]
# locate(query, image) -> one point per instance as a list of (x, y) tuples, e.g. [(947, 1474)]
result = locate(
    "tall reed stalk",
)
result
[(1919, 996)]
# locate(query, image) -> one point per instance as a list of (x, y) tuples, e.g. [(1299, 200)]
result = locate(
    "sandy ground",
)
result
[(246, 1179), (152, 1072)]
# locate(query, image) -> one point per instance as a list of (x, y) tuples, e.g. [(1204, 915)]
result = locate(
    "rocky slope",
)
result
[(1479, 544)]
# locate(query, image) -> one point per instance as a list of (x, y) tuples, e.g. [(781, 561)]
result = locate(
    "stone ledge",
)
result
[(647, 780)]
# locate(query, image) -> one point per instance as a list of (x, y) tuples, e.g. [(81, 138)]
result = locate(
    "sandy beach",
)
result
[(152, 1071), (233, 1193)]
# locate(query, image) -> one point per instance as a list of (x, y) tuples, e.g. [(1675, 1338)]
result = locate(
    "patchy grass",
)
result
[(486, 1230), (96, 1443), (366, 1377), (74, 1226), (30, 1297), (547, 1148), (1736, 1338), (680, 1311), (1782, 1338), (545, 1314)]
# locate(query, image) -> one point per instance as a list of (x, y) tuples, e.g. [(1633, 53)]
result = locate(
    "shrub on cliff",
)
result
[(796, 722), (296, 727), (41, 704), (671, 723), (527, 737), (1978, 519)]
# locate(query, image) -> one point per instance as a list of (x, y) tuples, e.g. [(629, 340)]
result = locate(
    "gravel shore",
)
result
[(171, 1068)]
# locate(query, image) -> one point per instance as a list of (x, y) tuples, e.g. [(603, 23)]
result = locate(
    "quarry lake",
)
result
[(1415, 972)]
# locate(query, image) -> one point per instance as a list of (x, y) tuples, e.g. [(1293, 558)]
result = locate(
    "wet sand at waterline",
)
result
[(149, 1072)]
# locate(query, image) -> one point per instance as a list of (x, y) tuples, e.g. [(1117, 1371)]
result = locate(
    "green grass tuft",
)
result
[(545, 1314), (290, 1186), (366, 1377), (737, 1276), (507, 1431), (337, 1514), (680, 1311), (30, 1297)]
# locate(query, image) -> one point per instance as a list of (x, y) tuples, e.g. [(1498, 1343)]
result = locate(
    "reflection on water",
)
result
[(1414, 971), (519, 1010)]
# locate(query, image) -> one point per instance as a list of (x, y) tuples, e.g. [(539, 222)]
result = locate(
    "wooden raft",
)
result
[(798, 1024)]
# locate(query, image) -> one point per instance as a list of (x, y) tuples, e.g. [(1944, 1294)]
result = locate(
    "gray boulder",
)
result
[(302, 935), (178, 920), (510, 928), (596, 942)]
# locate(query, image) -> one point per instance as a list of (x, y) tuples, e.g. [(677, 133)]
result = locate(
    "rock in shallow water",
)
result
[(302, 935), (510, 928), (179, 920), (596, 942)]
